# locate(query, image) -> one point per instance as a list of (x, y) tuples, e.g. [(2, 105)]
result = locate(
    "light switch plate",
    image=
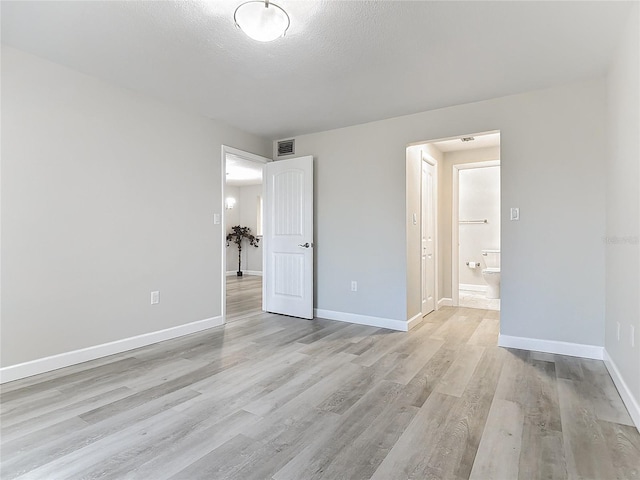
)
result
[(515, 213), (216, 219)]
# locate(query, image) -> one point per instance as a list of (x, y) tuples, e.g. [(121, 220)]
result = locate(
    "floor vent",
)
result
[(286, 147)]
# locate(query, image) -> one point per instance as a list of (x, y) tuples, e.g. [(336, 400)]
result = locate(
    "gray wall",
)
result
[(553, 144), (106, 196), (359, 215), (623, 209)]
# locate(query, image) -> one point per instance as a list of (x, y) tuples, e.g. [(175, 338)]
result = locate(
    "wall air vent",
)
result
[(286, 147)]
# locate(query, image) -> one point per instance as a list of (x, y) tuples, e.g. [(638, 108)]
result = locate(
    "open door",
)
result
[(288, 237), (428, 238)]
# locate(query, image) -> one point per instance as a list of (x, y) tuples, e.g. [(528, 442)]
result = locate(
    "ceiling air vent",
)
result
[(286, 147)]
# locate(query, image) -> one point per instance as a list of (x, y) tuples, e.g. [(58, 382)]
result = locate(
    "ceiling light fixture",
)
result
[(261, 20)]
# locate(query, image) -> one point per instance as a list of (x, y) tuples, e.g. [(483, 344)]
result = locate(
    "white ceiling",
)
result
[(241, 172), (341, 63), (479, 141)]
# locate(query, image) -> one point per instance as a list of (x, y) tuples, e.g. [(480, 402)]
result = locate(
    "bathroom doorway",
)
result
[(477, 191), (470, 199), (449, 157)]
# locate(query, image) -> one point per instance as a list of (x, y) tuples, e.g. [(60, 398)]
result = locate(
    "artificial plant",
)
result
[(237, 235)]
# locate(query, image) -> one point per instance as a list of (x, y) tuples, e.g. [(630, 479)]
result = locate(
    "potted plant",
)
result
[(237, 235)]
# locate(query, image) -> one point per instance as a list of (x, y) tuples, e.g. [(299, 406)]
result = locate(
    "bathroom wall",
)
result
[(479, 194), (445, 205), (244, 213)]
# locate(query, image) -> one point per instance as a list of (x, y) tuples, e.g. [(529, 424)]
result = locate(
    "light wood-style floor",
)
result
[(274, 397), (244, 296)]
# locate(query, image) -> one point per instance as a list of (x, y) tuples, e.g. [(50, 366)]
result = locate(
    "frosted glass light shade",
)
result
[(262, 21)]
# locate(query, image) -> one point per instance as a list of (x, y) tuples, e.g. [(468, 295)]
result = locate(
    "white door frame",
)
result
[(252, 157), (425, 157), (455, 224)]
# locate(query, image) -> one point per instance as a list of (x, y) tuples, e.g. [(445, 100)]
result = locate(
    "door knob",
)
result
[(304, 245)]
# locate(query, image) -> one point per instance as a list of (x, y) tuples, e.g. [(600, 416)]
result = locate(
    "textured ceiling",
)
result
[(341, 63)]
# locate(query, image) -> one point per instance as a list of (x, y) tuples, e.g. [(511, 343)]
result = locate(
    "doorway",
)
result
[(449, 157), (476, 235), (473, 164), (242, 194)]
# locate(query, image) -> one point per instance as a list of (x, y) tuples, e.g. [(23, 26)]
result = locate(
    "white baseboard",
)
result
[(54, 362), (245, 272), (551, 346), (632, 403), (389, 323), (414, 321), (472, 288), (445, 302)]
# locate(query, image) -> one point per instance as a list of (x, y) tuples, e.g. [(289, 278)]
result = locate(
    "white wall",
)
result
[(445, 200), (244, 213), (232, 218), (479, 198), (623, 211), (106, 196), (249, 218), (552, 150)]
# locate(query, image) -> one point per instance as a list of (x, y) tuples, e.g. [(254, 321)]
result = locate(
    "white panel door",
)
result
[(428, 239), (288, 237)]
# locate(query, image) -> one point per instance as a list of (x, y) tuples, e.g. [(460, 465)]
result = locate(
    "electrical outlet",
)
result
[(618, 334), (633, 336), (354, 286), (155, 298)]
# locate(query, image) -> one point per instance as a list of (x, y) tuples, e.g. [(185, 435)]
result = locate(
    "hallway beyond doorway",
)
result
[(244, 296)]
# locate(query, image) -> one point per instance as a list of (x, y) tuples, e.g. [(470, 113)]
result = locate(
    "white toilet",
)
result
[(491, 272)]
